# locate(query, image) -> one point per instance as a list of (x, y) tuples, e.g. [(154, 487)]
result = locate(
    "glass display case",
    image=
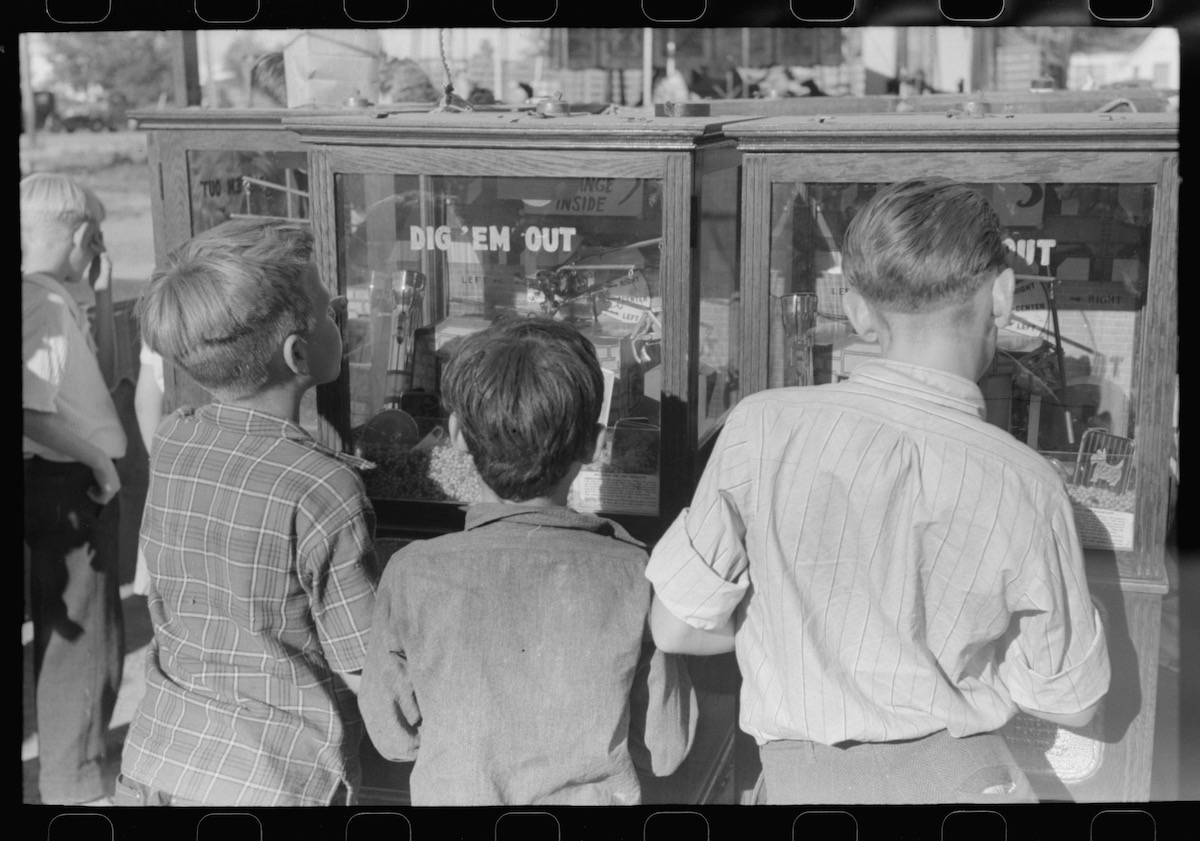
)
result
[(1084, 374), (439, 223)]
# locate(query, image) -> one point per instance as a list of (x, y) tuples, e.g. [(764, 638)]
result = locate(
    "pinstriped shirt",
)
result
[(897, 565), (258, 542)]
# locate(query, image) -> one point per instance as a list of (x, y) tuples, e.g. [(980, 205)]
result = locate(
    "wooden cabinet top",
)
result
[(892, 132), (623, 128)]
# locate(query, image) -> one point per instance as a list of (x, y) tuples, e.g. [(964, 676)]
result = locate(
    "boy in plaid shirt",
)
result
[(258, 540)]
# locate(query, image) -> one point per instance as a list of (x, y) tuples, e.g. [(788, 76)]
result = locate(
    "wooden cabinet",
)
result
[(434, 224)]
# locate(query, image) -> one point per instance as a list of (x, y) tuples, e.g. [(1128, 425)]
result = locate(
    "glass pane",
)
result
[(229, 184), (1062, 379), (243, 184), (720, 310), (429, 259)]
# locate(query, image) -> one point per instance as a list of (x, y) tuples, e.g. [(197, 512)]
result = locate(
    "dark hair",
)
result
[(922, 245), (527, 392), (224, 302)]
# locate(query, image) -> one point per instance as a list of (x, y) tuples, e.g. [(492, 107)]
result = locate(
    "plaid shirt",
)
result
[(258, 541)]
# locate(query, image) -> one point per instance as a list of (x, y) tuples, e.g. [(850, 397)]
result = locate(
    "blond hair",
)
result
[(53, 206), (226, 300)]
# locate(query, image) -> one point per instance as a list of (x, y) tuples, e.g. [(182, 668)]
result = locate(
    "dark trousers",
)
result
[(936, 769), (78, 631)]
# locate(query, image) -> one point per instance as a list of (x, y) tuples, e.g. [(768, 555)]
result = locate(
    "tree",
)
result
[(1119, 39), (136, 65)]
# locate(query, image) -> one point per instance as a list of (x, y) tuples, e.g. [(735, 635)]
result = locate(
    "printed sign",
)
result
[(1100, 528), (490, 238), (1031, 309), (576, 196), (615, 493)]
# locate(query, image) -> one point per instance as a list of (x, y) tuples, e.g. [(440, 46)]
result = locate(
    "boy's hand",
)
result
[(100, 272), (108, 483)]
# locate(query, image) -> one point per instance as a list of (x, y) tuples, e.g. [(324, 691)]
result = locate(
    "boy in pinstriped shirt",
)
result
[(897, 577), (258, 540)]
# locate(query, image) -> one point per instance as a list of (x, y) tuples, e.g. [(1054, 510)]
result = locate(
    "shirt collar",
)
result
[(482, 513), (54, 286), (931, 384), (45, 281), (246, 421)]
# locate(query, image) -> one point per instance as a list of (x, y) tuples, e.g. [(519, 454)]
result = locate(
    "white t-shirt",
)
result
[(149, 357), (60, 373)]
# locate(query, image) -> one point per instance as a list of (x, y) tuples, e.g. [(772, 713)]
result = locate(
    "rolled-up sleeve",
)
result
[(1057, 662), (663, 712), (386, 698), (341, 560), (699, 567)]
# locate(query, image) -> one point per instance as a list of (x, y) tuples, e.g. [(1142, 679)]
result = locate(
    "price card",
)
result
[(615, 493), (1102, 528)]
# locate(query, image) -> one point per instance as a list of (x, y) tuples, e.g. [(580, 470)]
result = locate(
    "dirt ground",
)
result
[(114, 165)]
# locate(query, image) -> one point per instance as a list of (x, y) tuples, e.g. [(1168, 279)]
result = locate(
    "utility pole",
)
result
[(185, 67), (647, 67), (28, 105)]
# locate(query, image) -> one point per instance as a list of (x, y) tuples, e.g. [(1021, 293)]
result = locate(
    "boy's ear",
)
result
[(83, 232), (456, 433), (295, 354), (859, 312), (1002, 297)]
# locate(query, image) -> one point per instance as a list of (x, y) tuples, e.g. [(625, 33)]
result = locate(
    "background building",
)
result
[(1153, 63)]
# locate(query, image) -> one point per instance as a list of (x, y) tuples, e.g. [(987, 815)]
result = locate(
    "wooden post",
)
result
[(647, 67), (498, 58), (186, 67), (28, 104)]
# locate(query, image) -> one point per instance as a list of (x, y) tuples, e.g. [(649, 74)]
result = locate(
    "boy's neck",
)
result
[(958, 340), (53, 264), (556, 497), (278, 401), (933, 349)]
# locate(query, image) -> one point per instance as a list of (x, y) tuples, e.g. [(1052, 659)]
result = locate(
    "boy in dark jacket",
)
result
[(512, 660)]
